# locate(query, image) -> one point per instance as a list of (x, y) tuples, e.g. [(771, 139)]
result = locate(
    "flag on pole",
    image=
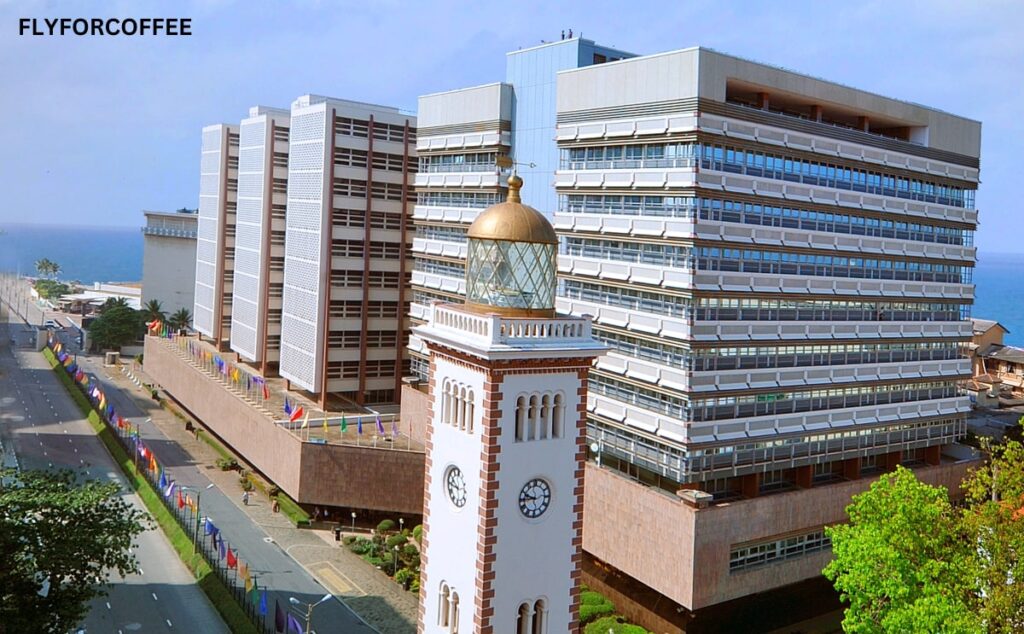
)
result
[(170, 490), (222, 550), (243, 570), (344, 424), (359, 425), (181, 500), (294, 625), (266, 392), (163, 479), (255, 592), (263, 602), (279, 623), (394, 428), (287, 407), (380, 427), (248, 584), (296, 415), (325, 427), (305, 422), (232, 560)]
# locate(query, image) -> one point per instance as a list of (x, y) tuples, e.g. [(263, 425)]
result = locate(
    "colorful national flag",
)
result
[(163, 480), (296, 415), (394, 428), (287, 407), (294, 625), (181, 500), (305, 422), (255, 592), (170, 490), (263, 602), (344, 424), (266, 392), (222, 549), (232, 560), (380, 427), (359, 425)]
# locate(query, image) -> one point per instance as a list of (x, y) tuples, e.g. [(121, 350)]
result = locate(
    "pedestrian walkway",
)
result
[(376, 599)]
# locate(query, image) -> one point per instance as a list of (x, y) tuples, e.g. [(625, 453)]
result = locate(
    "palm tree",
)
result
[(45, 267), (154, 311), (180, 320), (55, 269)]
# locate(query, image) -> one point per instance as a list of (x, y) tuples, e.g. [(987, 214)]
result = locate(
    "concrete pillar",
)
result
[(762, 100), (933, 455), (816, 113), (750, 485), (862, 123), (851, 469), (892, 460), (804, 476)]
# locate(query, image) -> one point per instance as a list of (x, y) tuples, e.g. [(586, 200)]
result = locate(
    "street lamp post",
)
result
[(353, 521), (309, 608), (394, 567), (401, 524)]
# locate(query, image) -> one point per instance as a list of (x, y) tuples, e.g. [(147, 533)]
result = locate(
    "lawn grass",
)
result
[(219, 596)]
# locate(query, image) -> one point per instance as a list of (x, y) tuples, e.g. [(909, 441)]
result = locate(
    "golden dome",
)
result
[(512, 221)]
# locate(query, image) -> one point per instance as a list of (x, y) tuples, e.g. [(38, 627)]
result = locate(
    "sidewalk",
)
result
[(380, 602)]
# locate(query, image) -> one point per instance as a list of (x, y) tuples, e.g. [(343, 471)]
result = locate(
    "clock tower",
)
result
[(506, 438)]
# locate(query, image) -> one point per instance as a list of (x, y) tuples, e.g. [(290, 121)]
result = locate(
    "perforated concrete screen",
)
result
[(210, 179), (246, 308), (302, 305)]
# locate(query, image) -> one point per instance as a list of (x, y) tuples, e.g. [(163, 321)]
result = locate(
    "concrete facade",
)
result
[(169, 259), (312, 474)]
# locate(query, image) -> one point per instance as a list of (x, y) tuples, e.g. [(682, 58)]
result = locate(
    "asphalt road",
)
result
[(40, 423)]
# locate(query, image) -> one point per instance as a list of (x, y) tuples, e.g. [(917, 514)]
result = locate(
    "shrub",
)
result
[(360, 546), (274, 491), (614, 624), (415, 585), (386, 526), (405, 577), (348, 540), (417, 533), (227, 464), (594, 606), (410, 556), (395, 540), (375, 561), (246, 483)]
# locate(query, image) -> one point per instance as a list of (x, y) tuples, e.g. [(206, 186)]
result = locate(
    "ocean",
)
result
[(114, 254)]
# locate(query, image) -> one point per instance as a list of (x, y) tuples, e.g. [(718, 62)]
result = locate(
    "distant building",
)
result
[(215, 249), (998, 370), (169, 258)]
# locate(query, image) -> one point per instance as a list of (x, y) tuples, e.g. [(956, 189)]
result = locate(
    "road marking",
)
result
[(169, 623), (154, 595), (108, 605)]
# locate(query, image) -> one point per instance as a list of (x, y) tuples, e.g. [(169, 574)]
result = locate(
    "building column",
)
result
[(892, 460), (862, 123), (763, 100), (804, 476), (851, 469), (750, 485), (933, 454), (816, 112)]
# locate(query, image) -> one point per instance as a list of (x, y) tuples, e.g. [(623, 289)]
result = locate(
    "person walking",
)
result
[(245, 498)]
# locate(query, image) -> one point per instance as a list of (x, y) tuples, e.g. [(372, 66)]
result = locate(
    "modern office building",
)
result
[(169, 258), (467, 141), (215, 247), (781, 266), (258, 285), (351, 167)]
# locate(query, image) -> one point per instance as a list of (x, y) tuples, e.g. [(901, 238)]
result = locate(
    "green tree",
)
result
[(180, 320), (903, 562), (154, 310), (117, 325), (60, 539), (49, 289), (994, 519)]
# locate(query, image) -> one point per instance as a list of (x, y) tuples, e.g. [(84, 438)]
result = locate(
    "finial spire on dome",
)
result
[(515, 183)]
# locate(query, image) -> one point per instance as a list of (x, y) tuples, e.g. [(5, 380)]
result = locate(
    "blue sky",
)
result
[(96, 129)]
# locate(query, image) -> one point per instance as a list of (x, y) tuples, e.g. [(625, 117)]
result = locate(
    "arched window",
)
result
[(557, 415), (446, 405), (469, 415), (454, 619), (531, 428), (462, 408), (444, 609), (521, 419), (540, 620), (523, 619), (544, 427)]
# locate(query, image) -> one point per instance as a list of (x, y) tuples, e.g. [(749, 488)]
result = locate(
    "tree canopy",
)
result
[(909, 561), (47, 267), (180, 320), (49, 289), (154, 310), (60, 539), (117, 325)]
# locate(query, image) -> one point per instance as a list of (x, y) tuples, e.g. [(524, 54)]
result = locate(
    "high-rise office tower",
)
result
[(350, 176), (782, 268), (215, 245), (259, 242), (467, 138)]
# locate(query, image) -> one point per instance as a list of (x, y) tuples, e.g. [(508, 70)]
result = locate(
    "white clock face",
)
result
[(534, 498), (455, 485)]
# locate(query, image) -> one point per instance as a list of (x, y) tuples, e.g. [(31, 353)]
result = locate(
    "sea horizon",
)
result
[(113, 253)]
